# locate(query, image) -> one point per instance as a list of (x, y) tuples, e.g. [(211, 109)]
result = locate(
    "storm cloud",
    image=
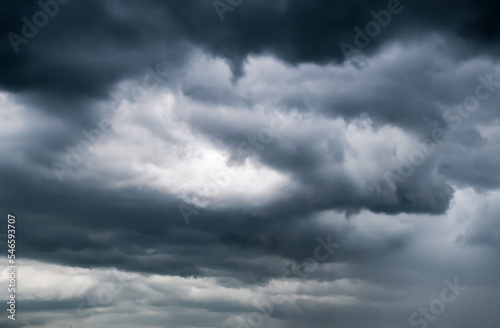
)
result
[(185, 163)]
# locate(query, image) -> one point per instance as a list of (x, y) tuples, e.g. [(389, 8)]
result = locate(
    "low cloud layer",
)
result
[(199, 150)]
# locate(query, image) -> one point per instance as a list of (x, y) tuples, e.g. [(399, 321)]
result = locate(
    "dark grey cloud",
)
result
[(224, 85), (70, 55)]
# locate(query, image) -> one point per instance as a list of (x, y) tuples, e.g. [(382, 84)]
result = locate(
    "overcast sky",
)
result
[(252, 163)]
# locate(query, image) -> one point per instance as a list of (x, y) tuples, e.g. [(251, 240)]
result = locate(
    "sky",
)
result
[(251, 163)]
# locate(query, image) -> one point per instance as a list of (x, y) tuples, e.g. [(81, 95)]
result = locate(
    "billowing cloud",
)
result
[(185, 163)]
